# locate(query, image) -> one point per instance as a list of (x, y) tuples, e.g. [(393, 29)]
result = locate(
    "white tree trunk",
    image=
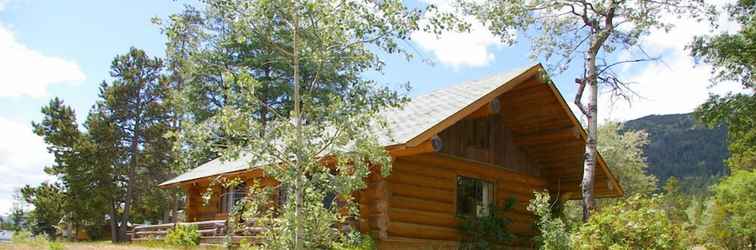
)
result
[(589, 165)]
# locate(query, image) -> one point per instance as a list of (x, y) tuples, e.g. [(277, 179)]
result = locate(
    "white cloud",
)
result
[(23, 156), (459, 49), (674, 85), (26, 72)]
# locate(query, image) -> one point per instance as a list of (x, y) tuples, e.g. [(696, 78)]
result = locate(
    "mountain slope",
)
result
[(680, 147)]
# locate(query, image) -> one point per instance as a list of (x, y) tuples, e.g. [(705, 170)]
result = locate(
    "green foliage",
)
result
[(48, 201), (118, 160), (278, 84), (183, 236), (623, 152), (36, 242), (80, 196), (736, 113), (636, 223), (733, 55), (22, 236), (735, 199), (554, 233), (674, 202), (562, 31), (55, 245), (17, 219), (356, 242), (487, 232), (678, 146)]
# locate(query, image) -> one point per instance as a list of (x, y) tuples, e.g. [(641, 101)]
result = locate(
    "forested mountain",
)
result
[(679, 146)]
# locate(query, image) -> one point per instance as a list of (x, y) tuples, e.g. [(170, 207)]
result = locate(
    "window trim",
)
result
[(228, 198), (492, 194)]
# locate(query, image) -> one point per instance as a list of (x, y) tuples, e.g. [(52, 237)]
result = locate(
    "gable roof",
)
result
[(408, 125), (425, 116)]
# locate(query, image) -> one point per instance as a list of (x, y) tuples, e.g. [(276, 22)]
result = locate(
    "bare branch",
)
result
[(579, 95)]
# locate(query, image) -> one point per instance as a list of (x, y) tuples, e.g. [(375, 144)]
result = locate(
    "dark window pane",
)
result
[(473, 196)]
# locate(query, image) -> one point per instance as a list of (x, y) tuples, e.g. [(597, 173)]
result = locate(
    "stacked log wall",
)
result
[(423, 196)]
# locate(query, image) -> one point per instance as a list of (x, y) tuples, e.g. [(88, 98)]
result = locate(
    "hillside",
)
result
[(678, 146)]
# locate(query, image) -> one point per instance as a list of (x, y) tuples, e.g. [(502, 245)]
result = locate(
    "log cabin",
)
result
[(486, 141)]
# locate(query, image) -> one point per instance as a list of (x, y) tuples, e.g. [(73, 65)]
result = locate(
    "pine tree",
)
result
[(134, 104)]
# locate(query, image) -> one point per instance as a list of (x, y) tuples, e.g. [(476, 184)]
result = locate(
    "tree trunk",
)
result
[(127, 203), (133, 164), (113, 223), (589, 165), (299, 182)]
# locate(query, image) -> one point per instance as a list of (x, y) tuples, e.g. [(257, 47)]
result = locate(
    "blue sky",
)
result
[(54, 48)]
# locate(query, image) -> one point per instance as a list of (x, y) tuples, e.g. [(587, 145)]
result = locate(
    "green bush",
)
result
[(636, 223), (183, 235), (36, 242), (553, 231), (732, 216), (54, 245), (356, 242), (21, 237), (486, 232)]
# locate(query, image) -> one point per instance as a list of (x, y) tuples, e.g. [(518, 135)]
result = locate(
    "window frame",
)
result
[(230, 196), (483, 183)]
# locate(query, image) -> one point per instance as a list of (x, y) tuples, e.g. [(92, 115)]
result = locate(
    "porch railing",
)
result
[(211, 231), (211, 228)]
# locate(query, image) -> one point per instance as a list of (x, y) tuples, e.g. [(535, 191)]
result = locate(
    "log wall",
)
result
[(422, 197)]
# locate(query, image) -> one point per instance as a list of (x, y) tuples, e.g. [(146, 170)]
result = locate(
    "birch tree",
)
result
[(561, 31), (278, 83)]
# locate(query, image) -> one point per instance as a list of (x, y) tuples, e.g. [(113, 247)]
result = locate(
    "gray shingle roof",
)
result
[(406, 123)]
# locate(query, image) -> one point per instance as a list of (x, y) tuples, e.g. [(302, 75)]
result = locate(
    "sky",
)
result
[(51, 48)]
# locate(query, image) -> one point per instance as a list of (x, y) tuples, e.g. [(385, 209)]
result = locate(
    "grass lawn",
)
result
[(99, 245)]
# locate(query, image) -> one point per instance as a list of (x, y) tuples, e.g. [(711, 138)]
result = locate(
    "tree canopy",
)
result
[(280, 84)]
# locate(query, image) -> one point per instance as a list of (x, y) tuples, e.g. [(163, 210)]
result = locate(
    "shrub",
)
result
[(183, 235), (21, 237), (356, 242), (36, 242), (486, 232), (54, 245), (733, 217), (636, 223), (553, 231)]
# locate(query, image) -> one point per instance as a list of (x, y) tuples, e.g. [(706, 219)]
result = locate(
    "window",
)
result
[(474, 196), (282, 195), (231, 196)]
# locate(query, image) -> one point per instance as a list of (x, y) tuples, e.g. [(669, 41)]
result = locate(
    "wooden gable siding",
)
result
[(486, 139)]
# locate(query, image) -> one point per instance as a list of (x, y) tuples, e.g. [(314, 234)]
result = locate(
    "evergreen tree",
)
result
[(134, 105), (81, 201), (49, 202)]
